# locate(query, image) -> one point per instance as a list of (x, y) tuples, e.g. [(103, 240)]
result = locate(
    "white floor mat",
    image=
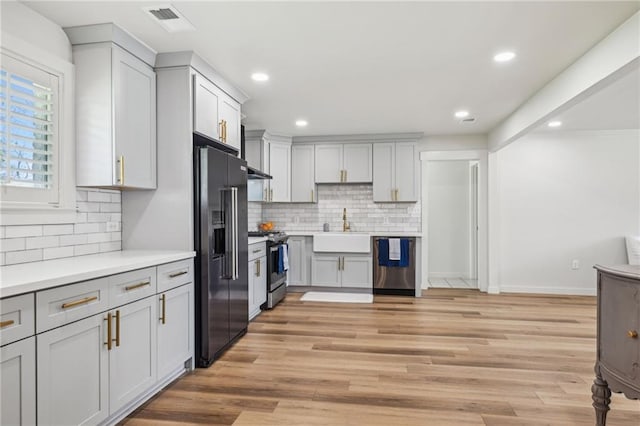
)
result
[(319, 296)]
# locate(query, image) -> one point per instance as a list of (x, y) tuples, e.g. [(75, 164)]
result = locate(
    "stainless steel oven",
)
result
[(277, 266)]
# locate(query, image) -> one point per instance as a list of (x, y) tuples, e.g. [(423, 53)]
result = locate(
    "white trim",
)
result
[(483, 235), (577, 291), (461, 275), (493, 210), (44, 213)]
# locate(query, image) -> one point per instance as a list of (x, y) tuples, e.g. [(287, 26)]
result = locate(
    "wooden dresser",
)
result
[(618, 346)]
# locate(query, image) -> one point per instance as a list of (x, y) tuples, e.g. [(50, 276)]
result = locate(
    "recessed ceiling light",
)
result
[(259, 76), (504, 56), (461, 114), (301, 123), (554, 123)]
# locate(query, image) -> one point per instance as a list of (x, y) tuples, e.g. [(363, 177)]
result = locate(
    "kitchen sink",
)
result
[(342, 242)]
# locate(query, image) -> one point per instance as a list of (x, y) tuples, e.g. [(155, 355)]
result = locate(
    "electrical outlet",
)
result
[(113, 226), (575, 264)]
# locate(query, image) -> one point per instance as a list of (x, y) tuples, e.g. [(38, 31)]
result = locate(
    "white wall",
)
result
[(448, 241), (562, 197), (452, 143)]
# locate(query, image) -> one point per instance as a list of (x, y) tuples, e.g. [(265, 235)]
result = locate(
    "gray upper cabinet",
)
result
[(395, 172), (215, 114), (271, 154), (115, 109), (303, 186), (343, 163)]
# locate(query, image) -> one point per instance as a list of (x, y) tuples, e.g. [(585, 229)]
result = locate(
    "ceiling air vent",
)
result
[(163, 14), (169, 18)]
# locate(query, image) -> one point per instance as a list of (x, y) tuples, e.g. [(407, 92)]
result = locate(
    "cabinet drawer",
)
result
[(62, 305), (131, 286), (257, 250), (17, 318), (174, 274)]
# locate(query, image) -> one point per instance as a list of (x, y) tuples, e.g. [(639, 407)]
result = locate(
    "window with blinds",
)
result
[(26, 130)]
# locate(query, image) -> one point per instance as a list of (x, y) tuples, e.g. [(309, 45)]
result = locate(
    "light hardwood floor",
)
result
[(452, 357)]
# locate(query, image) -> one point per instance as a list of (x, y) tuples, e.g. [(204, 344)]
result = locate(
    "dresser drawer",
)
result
[(17, 318), (131, 286), (62, 305), (619, 327), (171, 275), (256, 251)]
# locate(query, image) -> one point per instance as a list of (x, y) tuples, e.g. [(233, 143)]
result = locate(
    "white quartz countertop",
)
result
[(371, 233), (28, 277), (256, 240)]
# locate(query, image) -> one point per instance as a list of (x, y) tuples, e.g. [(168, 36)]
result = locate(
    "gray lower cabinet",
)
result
[(618, 345), (18, 384), (97, 349), (342, 270), (299, 262)]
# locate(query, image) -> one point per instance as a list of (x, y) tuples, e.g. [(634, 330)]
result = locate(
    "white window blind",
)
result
[(28, 148)]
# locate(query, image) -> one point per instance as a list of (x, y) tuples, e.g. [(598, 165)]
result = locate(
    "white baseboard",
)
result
[(569, 291), (448, 275)]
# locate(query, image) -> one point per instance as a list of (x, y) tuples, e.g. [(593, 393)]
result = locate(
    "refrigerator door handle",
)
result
[(235, 272)]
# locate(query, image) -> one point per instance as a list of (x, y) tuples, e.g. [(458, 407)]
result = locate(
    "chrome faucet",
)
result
[(345, 224)]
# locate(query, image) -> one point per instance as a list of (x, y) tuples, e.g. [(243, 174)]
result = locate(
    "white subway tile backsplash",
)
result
[(12, 244), (362, 213), (57, 229), (111, 246), (86, 228), (23, 256), (87, 235), (73, 239), (86, 249), (88, 207), (110, 207), (23, 231), (101, 237), (57, 252), (99, 196), (43, 242)]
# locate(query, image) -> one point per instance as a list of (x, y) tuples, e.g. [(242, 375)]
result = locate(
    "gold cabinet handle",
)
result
[(271, 195), (339, 264), (221, 130), (163, 299), (177, 274), (632, 334), (121, 170), (225, 131), (135, 286), (312, 195), (117, 340), (108, 342), (257, 263), (7, 323), (79, 302)]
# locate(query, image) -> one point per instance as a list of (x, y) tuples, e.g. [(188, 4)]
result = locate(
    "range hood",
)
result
[(257, 174)]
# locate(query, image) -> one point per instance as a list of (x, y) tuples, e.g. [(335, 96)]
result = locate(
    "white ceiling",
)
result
[(372, 67)]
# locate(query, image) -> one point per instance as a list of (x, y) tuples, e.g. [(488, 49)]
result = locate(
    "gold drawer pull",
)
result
[(135, 286), (79, 302), (177, 274), (633, 334), (163, 299), (117, 339), (109, 331), (256, 251), (7, 323)]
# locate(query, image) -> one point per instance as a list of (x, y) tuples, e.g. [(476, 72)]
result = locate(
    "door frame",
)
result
[(481, 156)]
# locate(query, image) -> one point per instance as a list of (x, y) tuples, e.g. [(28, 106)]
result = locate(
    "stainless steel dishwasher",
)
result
[(394, 279)]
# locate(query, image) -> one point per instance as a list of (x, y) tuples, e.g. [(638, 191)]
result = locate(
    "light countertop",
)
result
[(256, 240), (372, 233), (34, 276)]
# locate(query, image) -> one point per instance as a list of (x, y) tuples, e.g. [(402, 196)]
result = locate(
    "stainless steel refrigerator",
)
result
[(221, 298)]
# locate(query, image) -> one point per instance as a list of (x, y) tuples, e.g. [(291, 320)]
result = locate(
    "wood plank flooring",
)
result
[(452, 357)]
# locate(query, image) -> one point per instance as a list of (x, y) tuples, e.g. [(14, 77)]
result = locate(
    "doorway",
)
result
[(452, 215), (454, 219)]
